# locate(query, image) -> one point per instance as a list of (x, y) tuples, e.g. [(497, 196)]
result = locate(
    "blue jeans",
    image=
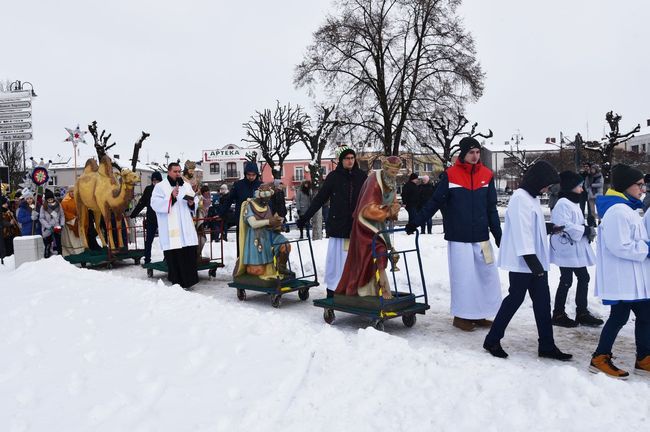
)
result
[(537, 288), (566, 280), (618, 316)]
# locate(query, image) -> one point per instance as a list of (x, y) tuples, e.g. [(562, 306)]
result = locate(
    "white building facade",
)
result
[(225, 164)]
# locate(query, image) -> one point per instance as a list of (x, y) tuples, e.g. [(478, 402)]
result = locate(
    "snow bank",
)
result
[(88, 350)]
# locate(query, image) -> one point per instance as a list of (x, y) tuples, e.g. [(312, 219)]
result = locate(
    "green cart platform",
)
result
[(161, 266), (104, 257), (405, 304), (277, 287)]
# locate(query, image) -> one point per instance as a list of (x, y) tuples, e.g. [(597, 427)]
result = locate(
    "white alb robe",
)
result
[(570, 248), (475, 284), (176, 228)]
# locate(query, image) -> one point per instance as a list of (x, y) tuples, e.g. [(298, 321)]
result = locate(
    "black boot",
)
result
[(587, 319), (561, 319), (555, 354), (495, 349)]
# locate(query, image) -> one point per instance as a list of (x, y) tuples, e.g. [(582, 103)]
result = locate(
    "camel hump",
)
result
[(106, 169), (91, 166)]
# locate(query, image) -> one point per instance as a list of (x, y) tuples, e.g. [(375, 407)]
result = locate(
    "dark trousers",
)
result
[(428, 225), (148, 240), (52, 240), (566, 280), (618, 316), (181, 266), (537, 288)]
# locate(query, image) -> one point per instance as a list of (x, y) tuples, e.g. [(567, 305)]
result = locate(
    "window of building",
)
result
[(214, 168), (52, 181), (416, 167), (643, 148), (428, 167), (376, 164), (231, 170), (323, 171), (298, 173), (635, 148)]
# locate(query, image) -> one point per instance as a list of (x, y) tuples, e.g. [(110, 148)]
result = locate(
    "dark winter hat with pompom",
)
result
[(569, 180), (466, 144), (624, 176)]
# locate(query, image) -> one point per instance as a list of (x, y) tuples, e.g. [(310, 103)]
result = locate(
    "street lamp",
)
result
[(167, 158), (18, 86)]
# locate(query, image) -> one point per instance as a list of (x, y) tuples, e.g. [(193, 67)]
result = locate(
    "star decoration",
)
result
[(76, 135)]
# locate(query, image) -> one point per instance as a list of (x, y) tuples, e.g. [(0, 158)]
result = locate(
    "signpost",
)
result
[(15, 116)]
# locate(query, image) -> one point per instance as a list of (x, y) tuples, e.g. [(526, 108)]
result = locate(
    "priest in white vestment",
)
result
[(174, 202)]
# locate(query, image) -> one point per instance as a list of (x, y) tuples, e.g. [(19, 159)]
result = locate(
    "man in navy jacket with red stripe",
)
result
[(467, 197)]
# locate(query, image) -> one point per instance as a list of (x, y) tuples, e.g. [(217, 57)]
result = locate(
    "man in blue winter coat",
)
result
[(467, 197), (241, 191)]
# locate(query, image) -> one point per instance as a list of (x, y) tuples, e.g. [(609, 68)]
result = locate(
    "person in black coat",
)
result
[(341, 187), (410, 198), (241, 191), (151, 222), (278, 201), (425, 192)]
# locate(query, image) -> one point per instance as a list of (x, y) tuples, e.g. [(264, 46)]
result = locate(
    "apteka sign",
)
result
[(215, 155)]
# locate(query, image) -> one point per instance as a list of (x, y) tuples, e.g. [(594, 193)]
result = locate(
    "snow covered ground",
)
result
[(110, 350)]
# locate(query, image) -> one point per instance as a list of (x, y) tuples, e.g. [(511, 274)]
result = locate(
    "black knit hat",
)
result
[(624, 176), (569, 180), (156, 176), (344, 151), (48, 194), (539, 176), (466, 144)]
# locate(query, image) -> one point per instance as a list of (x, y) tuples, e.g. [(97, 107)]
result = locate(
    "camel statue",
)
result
[(99, 189)]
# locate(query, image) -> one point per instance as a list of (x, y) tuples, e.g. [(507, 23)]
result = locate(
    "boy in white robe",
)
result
[(572, 252)]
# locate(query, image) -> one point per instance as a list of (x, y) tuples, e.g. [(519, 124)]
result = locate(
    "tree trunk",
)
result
[(317, 225)]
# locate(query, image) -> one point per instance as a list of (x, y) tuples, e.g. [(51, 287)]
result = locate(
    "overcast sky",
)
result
[(191, 72)]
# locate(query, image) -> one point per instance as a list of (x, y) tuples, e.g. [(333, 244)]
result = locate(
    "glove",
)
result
[(497, 239), (590, 233), (34, 215), (411, 228), (300, 223), (551, 228), (534, 265)]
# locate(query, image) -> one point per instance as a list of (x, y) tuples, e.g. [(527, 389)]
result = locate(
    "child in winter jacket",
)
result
[(572, 252), (52, 221), (623, 270), (524, 253)]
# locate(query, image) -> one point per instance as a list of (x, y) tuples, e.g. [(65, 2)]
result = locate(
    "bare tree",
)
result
[(446, 133), (315, 137), (388, 62), (11, 156), (275, 134), (605, 148)]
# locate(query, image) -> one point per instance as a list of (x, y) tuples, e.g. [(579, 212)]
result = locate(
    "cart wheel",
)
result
[(378, 325), (409, 320), (303, 294), (212, 272), (275, 300), (109, 266), (150, 273), (328, 316), (83, 265), (137, 261), (241, 294)]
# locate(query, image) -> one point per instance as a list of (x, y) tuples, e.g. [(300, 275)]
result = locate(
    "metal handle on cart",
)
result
[(375, 255)]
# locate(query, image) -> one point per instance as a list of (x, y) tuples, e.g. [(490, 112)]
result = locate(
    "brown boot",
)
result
[(642, 367), (282, 267), (464, 324), (603, 363), (483, 322)]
